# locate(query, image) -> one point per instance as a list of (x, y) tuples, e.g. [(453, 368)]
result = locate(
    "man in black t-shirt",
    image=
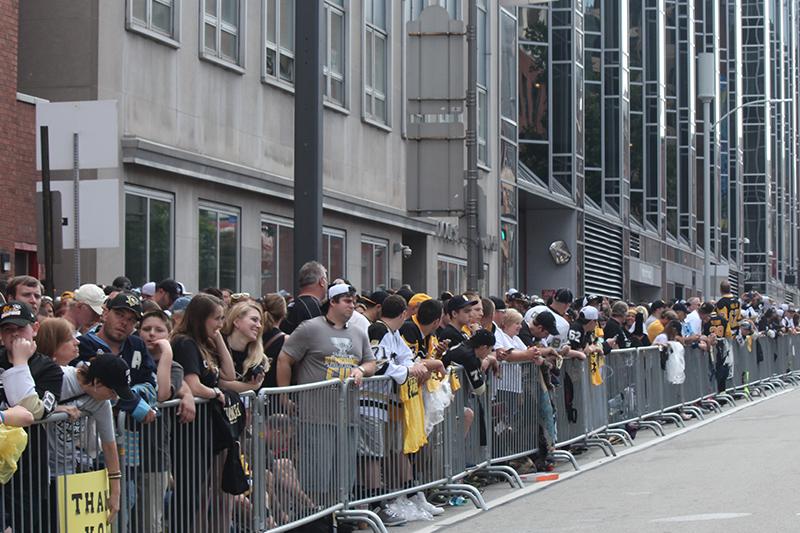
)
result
[(728, 307), (474, 355), (459, 309), (313, 282)]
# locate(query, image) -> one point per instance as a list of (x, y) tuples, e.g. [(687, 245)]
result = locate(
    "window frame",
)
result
[(146, 29), (276, 80), (374, 242), (216, 58), (460, 264), (326, 232), (221, 209), (328, 6), (483, 89), (162, 196), (372, 32)]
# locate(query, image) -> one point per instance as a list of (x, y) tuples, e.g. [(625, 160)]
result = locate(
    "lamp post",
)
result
[(705, 92)]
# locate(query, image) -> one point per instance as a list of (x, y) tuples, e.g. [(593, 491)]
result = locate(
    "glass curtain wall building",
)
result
[(610, 136)]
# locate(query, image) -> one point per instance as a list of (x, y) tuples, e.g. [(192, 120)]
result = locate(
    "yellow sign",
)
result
[(82, 502)]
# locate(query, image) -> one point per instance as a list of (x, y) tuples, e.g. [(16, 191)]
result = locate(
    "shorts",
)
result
[(377, 438)]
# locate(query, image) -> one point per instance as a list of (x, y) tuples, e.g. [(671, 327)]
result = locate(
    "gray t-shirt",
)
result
[(322, 352), (71, 443)]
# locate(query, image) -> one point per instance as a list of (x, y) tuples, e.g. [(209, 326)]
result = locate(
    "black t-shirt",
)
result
[(421, 345), (449, 332), (615, 330), (465, 356), (525, 334), (728, 307), (302, 308), (186, 352), (272, 351)]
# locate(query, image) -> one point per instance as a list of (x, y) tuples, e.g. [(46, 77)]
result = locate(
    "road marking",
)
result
[(519, 493), (702, 517)]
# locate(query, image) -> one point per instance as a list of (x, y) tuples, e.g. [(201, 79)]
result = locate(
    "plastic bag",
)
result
[(436, 401), (675, 364), (406, 508), (12, 443)]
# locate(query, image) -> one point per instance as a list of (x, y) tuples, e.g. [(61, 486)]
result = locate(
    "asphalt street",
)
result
[(737, 474)]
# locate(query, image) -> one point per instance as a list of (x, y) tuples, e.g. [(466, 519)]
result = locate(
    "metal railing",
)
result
[(313, 451)]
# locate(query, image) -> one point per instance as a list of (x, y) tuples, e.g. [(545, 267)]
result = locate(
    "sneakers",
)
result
[(419, 500), (389, 517)]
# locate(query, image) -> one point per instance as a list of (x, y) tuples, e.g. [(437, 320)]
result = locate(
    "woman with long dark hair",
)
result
[(198, 345)]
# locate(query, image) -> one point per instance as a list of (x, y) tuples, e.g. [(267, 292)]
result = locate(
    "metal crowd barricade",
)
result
[(621, 376), (56, 447), (515, 417)]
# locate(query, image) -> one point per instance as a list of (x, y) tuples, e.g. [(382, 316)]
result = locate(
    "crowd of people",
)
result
[(101, 350)]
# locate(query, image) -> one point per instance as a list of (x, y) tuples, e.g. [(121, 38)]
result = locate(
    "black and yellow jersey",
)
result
[(730, 309)]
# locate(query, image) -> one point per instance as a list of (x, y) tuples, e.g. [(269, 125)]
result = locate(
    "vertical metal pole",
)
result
[(47, 211), (76, 212), (308, 134), (707, 290), (474, 268)]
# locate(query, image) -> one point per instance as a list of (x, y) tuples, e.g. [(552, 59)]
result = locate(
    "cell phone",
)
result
[(254, 372)]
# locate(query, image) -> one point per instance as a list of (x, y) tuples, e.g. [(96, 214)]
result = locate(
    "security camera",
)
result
[(407, 251)]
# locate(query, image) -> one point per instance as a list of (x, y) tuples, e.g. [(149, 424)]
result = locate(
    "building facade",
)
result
[(590, 138), (18, 240)]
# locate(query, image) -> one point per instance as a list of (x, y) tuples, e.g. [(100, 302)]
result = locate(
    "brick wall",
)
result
[(17, 147)]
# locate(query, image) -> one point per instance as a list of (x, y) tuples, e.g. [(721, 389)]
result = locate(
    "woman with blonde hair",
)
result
[(242, 332)]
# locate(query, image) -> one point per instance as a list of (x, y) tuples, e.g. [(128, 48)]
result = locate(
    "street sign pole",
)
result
[(47, 211), (474, 267)]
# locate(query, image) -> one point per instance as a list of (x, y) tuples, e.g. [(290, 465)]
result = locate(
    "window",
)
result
[(483, 83), (154, 18), (335, 37), (222, 30), (279, 41), (452, 274), (218, 260), (415, 7), (277, 254), (374, 263), (376, 59), (148, 235)]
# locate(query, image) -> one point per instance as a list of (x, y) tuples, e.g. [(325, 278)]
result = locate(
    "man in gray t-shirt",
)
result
[(324, 348)]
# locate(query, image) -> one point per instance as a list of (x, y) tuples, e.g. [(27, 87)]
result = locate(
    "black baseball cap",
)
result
[(499, 304), (113, 372), (457, 302), (516, 295), (546, 320), (126, 300), (563, 296), (171, 287), (376, 298), (17, 313)]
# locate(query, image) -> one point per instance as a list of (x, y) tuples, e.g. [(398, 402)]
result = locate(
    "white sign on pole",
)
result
[(95, 122), (99, 214)]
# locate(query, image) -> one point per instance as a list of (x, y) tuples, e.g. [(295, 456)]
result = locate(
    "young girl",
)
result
[(242, 332), (56, 339)]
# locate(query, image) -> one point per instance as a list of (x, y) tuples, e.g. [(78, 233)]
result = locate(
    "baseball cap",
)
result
[(517, 296), (67, 295), (680, 307), (547, 320), (591, 298), (17, 313), (419, 298), (171, 287), (563, 296), (113, 372), (149, 289), (499, 304), (658, 304), (339, 289), (180, 304), (91, 295), (376, 298), (457, 302), (589, 313), (126, 300)]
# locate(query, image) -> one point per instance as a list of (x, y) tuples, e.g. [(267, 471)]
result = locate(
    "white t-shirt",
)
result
[(359, 321), (695, 322), (661, 338), (510, 373)]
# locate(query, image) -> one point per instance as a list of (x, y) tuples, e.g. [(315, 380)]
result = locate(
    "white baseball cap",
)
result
[(91, 295), (149, 288), (589, 313)]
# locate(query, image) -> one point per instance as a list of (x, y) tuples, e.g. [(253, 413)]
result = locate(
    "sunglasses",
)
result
[(240, 296)]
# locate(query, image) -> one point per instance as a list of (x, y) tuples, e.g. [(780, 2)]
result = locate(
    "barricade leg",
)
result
[(362, 516), (565, 456), (653, 426)]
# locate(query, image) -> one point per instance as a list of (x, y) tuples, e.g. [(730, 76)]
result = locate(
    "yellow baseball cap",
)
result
[(419, 298)]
